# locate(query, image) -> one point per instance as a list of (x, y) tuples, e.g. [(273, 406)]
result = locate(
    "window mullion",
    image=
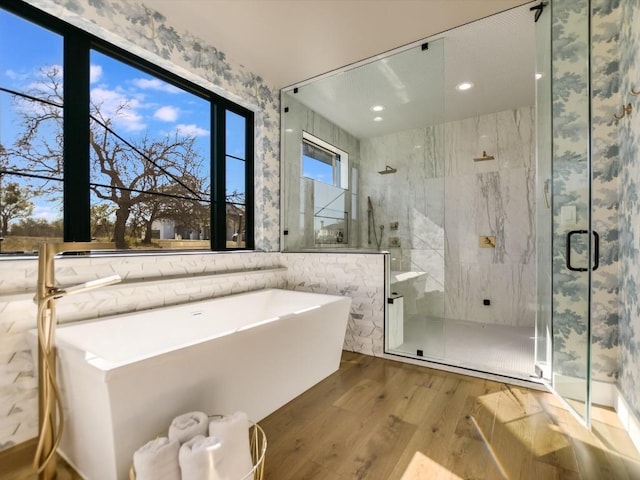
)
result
[(249, 182), (76, 210), (218, 172)]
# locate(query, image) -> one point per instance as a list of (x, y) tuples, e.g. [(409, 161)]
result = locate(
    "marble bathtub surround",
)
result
[(154, 281)]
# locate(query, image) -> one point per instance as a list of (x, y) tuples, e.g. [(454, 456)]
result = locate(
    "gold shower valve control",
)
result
[(487, 241)]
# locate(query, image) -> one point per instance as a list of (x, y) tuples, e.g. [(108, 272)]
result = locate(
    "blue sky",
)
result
[(155, 108)]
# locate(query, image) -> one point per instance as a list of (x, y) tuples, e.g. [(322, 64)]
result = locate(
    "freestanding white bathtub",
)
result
[(124, 378)]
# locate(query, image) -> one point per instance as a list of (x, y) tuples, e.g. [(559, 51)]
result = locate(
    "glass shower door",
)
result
[(574, 244), (414, 200), (543, 337)]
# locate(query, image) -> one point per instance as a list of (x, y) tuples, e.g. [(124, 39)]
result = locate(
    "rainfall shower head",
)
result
[(387, 169)]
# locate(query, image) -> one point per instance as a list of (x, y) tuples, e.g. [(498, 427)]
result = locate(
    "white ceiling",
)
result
[(417, 87), (288, 41)]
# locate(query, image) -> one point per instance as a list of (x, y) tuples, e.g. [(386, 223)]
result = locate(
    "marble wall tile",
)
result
[(463, 144), (448, 213), (152, 283), (412, 196), (461, 233), (358, 276), (510, 289), (519, 228)]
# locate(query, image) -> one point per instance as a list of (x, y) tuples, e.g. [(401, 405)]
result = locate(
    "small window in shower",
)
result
[(323, 162), (325, 196)]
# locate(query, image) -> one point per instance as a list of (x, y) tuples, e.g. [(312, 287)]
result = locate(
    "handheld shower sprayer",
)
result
[(86, 286), (371, 225)]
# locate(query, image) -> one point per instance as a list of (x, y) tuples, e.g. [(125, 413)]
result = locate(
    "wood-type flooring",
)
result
[(379, 419)]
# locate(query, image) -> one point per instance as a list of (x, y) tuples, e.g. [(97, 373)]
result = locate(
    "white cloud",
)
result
[(167, 113), (155, 84), (191, 130), (32, 77), (118, 107), (95, 73), (13, 75)]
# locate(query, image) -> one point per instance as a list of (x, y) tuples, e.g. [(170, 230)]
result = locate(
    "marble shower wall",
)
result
[(493, 198), (629, 138), (444, 201)]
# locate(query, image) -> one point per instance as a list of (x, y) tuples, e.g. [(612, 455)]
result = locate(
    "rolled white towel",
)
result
[(235, 452), (184, 427), (157, 460), (199, 457)]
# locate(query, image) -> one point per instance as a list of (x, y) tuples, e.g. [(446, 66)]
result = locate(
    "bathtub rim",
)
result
[(107, 366)]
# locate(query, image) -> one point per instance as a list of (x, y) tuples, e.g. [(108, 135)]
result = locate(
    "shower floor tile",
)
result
[(494, 348)]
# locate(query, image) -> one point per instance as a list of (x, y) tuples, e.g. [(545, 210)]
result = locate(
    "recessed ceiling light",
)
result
[(464, 86), (377, 108), (377, 119), (538, 76), (288, 129)]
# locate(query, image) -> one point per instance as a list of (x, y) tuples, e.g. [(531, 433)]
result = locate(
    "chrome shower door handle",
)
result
[(596, 250)]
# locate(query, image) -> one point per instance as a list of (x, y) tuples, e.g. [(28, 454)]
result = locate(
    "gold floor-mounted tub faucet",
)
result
[(49, 409)]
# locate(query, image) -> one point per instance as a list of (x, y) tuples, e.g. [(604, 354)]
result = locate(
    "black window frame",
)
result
[(340, 165), (76, 127)]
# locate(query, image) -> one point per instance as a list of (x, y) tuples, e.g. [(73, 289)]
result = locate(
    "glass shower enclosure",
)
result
[(482, 207)]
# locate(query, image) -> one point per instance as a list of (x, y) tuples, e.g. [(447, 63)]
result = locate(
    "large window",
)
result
[(96, 144)]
